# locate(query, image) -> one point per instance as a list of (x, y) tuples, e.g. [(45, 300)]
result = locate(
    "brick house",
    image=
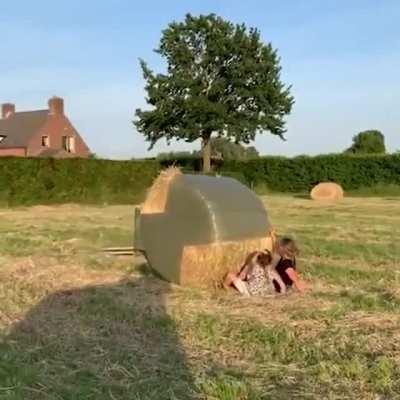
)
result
[(41, 133)]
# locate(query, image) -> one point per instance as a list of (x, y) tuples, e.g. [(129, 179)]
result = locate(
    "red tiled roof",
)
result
[(19, 128)]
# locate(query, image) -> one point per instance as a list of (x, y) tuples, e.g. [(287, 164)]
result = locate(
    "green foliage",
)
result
[(221, 79), (369, 174), (368, 142), (221, 149), (175, 155), (300, 174), (41, 181), (33, 181), (224, 149)]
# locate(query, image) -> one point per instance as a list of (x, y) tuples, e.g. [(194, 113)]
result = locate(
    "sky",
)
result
[(341, 57)]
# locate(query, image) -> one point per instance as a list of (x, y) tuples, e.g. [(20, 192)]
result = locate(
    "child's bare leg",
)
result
[(233, 280), (274, 276), (241, 287)]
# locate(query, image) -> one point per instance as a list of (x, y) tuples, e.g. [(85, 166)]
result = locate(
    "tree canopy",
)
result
[(221, 80), (368, 142)]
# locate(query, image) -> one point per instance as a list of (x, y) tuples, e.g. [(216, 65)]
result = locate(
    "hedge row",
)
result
[(33, 181), (300, 174)]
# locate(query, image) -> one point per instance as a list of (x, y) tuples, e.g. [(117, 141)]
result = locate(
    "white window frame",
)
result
[(68, 144), (46, 141)]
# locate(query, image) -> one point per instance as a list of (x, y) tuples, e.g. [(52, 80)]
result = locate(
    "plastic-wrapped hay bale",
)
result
[(195, 228), (327, 191)]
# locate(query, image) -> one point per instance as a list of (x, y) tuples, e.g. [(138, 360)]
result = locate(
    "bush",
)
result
[(26, 181), (300, 174), (32, 181)]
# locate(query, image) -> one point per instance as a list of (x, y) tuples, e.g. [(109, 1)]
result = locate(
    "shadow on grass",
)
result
[(99, 342)]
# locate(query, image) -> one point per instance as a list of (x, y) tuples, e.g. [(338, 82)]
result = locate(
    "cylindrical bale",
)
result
[(207, 265), (327, 191), (194, 228)]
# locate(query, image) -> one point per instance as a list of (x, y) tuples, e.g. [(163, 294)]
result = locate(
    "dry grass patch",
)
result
[(75, 324)]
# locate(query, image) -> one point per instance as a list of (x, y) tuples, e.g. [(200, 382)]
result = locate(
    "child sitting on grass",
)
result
[(255, 277), (263, 272), (284, 262)]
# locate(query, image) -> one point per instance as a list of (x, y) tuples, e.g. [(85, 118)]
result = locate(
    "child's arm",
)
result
[(244, 272), (294, 276), (246, 267)]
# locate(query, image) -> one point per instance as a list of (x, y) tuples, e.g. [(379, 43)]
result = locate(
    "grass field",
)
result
[(76, 324)]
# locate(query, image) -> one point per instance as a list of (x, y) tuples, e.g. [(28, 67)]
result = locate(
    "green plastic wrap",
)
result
[(199, 210)]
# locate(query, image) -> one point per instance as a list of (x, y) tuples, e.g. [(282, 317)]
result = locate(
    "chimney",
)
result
[(56, 106), (7, 110)]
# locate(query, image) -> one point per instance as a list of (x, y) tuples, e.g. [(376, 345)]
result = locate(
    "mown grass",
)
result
[(76, 324)]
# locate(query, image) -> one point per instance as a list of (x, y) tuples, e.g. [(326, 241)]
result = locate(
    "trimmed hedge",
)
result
[(300, 174), (39, 181), (26, 181)]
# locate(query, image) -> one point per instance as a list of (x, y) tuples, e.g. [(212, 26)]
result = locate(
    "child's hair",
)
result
[(288, 247), (264, 258)]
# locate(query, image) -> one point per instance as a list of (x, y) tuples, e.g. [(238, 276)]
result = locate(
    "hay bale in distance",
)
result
[(196, 228), (327, 191)]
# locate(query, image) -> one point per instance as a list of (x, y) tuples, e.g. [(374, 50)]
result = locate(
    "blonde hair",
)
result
[(288, 247)]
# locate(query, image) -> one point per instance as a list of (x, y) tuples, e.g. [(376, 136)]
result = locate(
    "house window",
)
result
[(45, 141), (68, 144), (2, 137), (72, 144)]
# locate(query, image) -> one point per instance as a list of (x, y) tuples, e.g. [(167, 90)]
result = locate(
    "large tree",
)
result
[(221, 80), (368, 142)]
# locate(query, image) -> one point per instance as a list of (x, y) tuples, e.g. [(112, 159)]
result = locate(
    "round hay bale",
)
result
[(327, 191), (195, 228)]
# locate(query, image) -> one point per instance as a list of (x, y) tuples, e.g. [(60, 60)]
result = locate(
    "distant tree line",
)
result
[(368, 142), (221, 149)]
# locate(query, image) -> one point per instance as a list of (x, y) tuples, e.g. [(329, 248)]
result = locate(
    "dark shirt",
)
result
[(281, 268)]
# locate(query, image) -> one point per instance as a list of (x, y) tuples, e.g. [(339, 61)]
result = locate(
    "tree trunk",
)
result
[(206, 150)]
